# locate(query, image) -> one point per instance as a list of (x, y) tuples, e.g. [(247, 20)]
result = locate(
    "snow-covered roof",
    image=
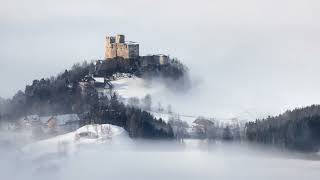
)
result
[(87, 78), (130, 42), (160, 55), (61, 119), (99, 79), (45, 119)]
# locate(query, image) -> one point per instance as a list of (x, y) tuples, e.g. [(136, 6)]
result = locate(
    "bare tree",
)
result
[(107, 131), (63, 148), (147, 102), (96, 129), (160, 108), (205, 128), (169, 109), (179, 128), (133, 102)]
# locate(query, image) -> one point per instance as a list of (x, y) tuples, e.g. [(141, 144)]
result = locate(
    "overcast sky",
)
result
[(247, 54)]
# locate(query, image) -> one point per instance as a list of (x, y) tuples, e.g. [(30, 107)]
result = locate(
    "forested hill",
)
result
[(298, 129), (62, 94)]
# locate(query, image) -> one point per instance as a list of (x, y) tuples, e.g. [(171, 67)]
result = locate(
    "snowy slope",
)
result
[(87, 135), (182, 104), (138, 87), (135, 87)]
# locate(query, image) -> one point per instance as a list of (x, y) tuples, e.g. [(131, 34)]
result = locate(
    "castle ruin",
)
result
[(121, 55), (116, 46)]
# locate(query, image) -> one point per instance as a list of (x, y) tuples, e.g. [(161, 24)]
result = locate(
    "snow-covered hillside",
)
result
[(182, 104), (128, 87), (136, 87), (87, 135)]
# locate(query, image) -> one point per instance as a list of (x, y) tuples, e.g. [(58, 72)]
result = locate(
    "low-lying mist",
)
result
[(193, 96), (193, 159)]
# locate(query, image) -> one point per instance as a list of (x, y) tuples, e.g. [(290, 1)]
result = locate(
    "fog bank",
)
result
[(160, 161)]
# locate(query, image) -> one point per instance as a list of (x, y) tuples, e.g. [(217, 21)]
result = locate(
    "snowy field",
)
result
[(100, 152), (86, 136)]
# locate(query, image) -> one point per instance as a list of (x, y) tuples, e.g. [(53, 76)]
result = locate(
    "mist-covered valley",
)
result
[(201, 147), (151, 90), (140, 159)]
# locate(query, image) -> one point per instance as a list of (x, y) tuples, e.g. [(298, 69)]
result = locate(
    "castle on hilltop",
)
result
[(116, 46), (123, 56)]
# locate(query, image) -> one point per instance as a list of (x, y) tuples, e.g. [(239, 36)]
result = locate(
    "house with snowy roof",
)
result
[(97, 82), (60, 124)]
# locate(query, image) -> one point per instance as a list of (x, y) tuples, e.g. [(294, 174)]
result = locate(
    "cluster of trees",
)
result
[(64, 94), (138, 122), (174, 74), (203, 128), (298, 129), (2, 106), (144, 104), (180, 128), (173, 70), (60, 94)]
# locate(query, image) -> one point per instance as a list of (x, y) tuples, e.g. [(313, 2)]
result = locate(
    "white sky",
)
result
[(248, 54)]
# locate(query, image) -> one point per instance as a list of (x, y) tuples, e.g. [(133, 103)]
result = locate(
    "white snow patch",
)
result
[(135, 87), (70, 142), (99, 79)]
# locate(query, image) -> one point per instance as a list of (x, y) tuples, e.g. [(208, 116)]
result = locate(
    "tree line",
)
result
[(204, 128), (298, 129)]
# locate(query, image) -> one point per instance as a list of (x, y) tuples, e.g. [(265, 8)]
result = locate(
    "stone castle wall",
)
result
[(153, 60), (117, 47)]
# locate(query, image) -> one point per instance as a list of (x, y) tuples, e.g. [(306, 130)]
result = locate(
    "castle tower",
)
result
[(116, 46), (120, 38), (110, 40)]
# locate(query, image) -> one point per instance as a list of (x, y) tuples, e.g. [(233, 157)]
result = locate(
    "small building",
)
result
[(158, 59), (97, 82), (61, 124), (161, 59)]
